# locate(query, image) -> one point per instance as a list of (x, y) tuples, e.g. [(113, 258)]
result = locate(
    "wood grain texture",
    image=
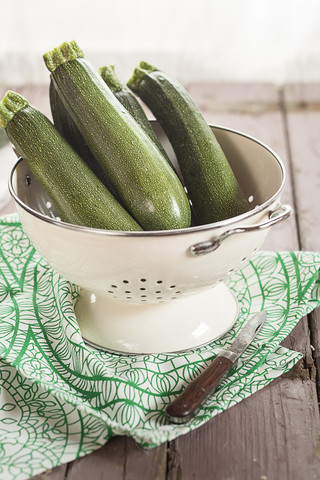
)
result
[(120, 459), (302, 110), (265, 124), (58, 473), (260, 438), (303, 126), (274, 434)]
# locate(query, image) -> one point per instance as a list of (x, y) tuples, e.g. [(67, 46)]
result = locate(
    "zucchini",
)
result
[(130, 102), (212, 187), (69, 130), (66, 126), (143, 180), (79, 196)]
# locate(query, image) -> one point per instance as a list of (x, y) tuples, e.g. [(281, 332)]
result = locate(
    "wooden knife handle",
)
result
[(185, 405)]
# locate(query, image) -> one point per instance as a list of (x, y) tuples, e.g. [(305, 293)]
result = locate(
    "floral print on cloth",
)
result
[(60, 395)]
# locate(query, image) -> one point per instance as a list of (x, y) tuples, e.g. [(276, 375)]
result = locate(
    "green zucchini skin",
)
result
[(209, 179), (77, 193), (69, 130), (130, 103), (145, 184), (66, 126)]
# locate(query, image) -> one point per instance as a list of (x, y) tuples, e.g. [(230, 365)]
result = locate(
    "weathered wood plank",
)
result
[(8, 207), (302, 96), (303, 129), (274, 433), (3, 90), (106, 463), (303, 119), (262, 437), (37, 95), (58, 473), (230, 105), (121, 458), (314, 322), (235, 97), (149, 464), (265, 123)]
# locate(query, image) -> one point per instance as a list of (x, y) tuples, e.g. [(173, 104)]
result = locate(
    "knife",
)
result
[(186, 405)]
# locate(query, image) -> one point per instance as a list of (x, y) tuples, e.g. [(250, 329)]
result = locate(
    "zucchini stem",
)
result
[(138, 74), (110, 77), (11, 103), (66, 52)]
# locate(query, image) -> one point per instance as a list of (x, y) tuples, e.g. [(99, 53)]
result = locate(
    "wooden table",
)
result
[(275, 433)]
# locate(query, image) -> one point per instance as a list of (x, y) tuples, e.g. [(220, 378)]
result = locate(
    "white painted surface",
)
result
[(210, 40), (165, 327)]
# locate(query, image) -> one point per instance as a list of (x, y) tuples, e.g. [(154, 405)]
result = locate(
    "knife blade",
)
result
[(185, 406)]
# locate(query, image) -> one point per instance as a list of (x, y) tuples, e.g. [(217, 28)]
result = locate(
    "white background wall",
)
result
[(211, 40)]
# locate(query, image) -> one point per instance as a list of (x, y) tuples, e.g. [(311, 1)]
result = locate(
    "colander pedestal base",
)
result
[(171, 327)]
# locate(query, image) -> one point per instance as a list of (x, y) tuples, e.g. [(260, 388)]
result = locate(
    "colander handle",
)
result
[(281, 212)]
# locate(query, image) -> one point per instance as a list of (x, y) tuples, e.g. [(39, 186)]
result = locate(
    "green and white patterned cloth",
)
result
[(61, 399)]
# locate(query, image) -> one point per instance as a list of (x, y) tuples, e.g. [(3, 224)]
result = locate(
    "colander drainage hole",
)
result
[(142, 288), (159, 281), (143, 279), (125, 281), (114, 286)]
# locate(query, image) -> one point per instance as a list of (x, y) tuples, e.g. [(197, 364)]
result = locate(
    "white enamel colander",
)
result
[(137, 285)]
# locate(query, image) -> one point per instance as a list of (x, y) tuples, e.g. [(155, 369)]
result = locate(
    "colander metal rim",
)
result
[(160, 233)]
